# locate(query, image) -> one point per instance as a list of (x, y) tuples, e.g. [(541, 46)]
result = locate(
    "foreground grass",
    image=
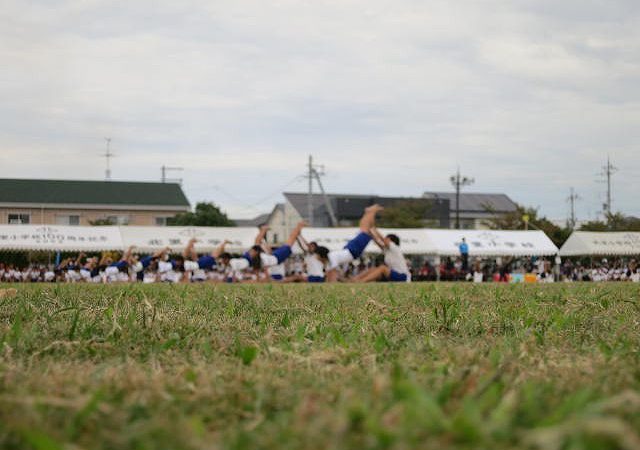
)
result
[(345, 366)]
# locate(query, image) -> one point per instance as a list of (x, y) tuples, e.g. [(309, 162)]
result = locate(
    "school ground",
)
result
[(308, 366)]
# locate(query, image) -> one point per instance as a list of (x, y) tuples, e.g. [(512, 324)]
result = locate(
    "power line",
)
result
[(279, 190), (255, 206)]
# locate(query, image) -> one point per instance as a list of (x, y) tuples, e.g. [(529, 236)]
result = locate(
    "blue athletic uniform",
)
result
[(206, 262), (357, 245)]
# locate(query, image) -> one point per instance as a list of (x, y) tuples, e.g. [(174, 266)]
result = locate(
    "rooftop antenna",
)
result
[(108, 155), (165, 169)]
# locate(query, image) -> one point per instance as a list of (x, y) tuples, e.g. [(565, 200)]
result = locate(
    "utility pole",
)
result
[(108, 155), (573, 197), (310, 193), (458, 183), (315, 172), (608, 171), (327, 203), (165, 169)]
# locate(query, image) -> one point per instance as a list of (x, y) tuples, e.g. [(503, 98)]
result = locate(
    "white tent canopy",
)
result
[(492, 242), (63, 238), (445, 242), (412, 241), (146, 239), (602, 243), (149, 239), (333, 238)]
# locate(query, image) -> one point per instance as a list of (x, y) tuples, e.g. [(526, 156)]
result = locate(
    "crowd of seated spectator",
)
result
[(447, 269)]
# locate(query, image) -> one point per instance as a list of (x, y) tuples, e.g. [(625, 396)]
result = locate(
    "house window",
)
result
[(72, 219), (19, 219), (119, 220)]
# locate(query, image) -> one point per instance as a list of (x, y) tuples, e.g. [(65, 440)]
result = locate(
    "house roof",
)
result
[(258, 220), (345, 206), (473, 202), (79, 192), (255, 222)]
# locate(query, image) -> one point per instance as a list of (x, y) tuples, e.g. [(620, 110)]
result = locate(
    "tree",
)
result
[(613, 222), (594, 225), (405, 214), (101, 222), (205, 215), (516, 221)]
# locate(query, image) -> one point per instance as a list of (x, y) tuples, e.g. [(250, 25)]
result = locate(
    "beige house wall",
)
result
[(50, 216), (281, 223)]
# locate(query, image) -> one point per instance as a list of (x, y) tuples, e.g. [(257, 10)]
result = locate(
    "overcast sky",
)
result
[(527, 96)]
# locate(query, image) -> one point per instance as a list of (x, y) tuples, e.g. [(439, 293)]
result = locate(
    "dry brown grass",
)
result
[(428, 366)]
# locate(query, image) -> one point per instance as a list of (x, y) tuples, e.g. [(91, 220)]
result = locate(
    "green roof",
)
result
[(91, 192)]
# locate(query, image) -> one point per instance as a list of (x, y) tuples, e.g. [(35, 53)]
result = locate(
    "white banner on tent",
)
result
[(149, 239), (63, 238), (413, 241), (602, 243), (492, 242)]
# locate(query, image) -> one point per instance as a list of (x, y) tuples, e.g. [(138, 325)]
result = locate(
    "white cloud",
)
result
[(526, 96)]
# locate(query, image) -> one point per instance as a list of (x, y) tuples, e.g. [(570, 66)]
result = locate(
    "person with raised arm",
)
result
[(142, 265), (194, 263), (354, 248), (273, 260), (395, 266), (314, 262), (115, 271), (171, 269)]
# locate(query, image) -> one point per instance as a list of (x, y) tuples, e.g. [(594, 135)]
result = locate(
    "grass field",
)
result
[(343, 366)]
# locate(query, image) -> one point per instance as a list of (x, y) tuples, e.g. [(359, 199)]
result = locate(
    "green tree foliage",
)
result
[(613, 222), (594, 225), (205, 215), (406, 214), (516, 221), (101, 222)]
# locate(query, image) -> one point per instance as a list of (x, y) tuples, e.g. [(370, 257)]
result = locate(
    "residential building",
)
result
[(75, 202), (475, 208), (347, 209)]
